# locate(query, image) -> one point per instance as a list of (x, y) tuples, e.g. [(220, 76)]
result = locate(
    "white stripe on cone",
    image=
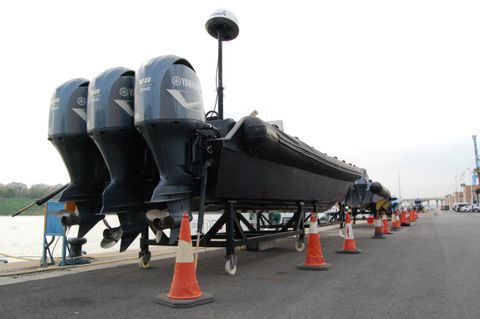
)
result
[(378, 223), (348, 231), (184, 252), (313, 227)]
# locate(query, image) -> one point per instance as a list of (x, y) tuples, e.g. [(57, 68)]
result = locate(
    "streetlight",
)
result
[(456, 188)]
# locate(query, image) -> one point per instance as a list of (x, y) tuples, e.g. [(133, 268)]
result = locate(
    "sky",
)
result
[(391, 86)]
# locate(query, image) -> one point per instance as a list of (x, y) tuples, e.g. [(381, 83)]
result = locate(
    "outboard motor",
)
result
[(359, 195), (133, 173), (88, 174), (365, 193), (379, 190), (169, 113), (381, 196)]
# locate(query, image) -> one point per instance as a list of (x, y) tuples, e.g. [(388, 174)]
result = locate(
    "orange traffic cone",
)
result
[(314, 259), (403, 219), (386, 228), (412, 215), (394, 222), (349, 245), (397, 220), (184, 291), (378, 227)]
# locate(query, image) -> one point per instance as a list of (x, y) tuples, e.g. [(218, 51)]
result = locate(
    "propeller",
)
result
[(111, 236), (159, 220), (158, 236)]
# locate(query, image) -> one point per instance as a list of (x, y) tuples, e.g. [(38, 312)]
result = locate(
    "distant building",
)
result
[(458, 197), (449, 200), (469, 193), (466, 195)]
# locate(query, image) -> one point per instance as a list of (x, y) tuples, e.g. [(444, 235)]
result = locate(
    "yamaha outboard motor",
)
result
[(88, 174), (169, 112), (131, 167), (364, 193)]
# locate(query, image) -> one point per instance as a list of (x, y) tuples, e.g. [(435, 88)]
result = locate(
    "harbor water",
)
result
[(22, 236)]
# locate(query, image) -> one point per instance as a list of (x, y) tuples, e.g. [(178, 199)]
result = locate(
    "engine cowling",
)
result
[(168, 113), (67, 131), (110, 124)]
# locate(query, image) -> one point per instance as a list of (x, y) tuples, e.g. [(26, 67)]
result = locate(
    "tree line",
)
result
[(15, 190)]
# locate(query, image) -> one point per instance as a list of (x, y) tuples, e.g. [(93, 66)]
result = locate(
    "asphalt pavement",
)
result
[(428, 270)]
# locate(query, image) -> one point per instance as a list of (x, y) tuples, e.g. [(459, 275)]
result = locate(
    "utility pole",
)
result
[(477, 159), (456, 189)]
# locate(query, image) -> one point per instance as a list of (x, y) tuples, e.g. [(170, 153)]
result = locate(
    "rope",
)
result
[(17, 257), (51, 268)]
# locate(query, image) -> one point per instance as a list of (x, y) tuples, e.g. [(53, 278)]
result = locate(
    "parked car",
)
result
[(465, 209), (457, 206), (322, 218), (475, 208)]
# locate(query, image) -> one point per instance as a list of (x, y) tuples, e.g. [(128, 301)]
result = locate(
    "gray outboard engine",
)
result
[(169, 113), (379, 191), (133, 173), (357, 196), (67, 131), (364, 193)]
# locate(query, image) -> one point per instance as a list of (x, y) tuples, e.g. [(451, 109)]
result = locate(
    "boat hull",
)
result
[(248, 179)]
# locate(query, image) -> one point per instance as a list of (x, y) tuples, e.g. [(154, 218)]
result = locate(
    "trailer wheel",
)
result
[(231, 266), (299, 246), (144, 261), (143, 264)]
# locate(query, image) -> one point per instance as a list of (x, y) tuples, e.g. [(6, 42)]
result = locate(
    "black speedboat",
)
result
[(220, 164), (152, 159)]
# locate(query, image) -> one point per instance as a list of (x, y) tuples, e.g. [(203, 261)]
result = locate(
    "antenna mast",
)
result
[(222, 25)]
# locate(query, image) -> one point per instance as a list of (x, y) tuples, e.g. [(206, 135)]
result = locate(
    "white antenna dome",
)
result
[(224, 23)]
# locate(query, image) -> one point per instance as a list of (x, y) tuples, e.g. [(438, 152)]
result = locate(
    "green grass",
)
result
[(8, 206)]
